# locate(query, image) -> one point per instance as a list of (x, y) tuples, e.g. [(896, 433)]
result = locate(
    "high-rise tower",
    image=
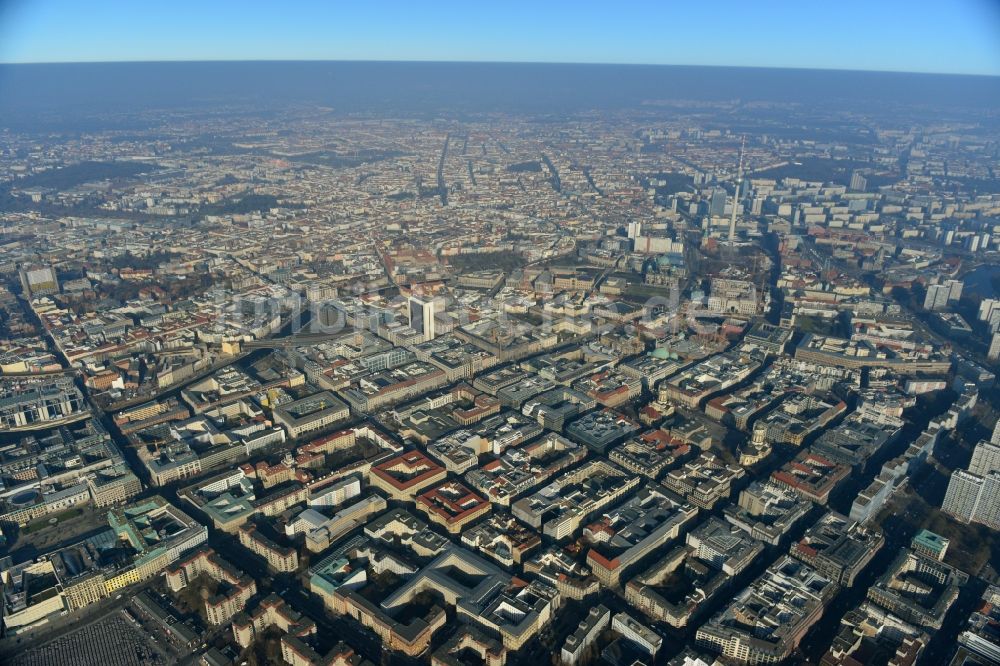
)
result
[(736, 197), (422, 317)]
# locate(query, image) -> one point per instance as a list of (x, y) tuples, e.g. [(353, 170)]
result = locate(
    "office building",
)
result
[(407, 475), (930, 545), (868, 630), (973, 495), (314, 412), (993, 353), (980, 637), (937, 297), (954, 290), (39, 281), (767, 511), (452, 506), (962, 496), (918, 589), (560, 507), (717, 204), (838, 548), (787, 599), (704, 481), (689, 578), (422, 317), (469, 641), (585, 635), (37, 403), (637, 633), (986, 456), (858, 181), (623, 536)]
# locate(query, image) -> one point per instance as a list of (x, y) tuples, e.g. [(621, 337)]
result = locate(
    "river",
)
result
[(980, 281)]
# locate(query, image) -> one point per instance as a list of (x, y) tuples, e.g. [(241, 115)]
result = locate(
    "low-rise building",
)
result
[(560, 508), (704, 481), (679, 586), (584, 636), (271, 612), (522, 468), (236, 588), (558, 568), (767, 511), (868, 630), (600, 429), (503, 539), (766, 621), (811, 475), (406, 475), (838, 547), (469, 639), (918, 589), (314, 412), (278, 557), (623, 536), (637, 633), (651, 453), (452, 505)]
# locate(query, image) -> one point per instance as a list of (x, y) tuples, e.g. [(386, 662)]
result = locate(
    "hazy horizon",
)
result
[(42, 94), (431, 61)]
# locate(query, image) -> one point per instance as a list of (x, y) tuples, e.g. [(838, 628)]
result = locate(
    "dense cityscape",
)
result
[(691, 382)]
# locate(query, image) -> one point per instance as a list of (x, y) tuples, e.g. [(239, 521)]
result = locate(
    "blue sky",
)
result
[(954, 36)]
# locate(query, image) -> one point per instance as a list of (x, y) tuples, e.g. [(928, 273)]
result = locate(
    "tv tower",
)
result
[(736, 197)]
